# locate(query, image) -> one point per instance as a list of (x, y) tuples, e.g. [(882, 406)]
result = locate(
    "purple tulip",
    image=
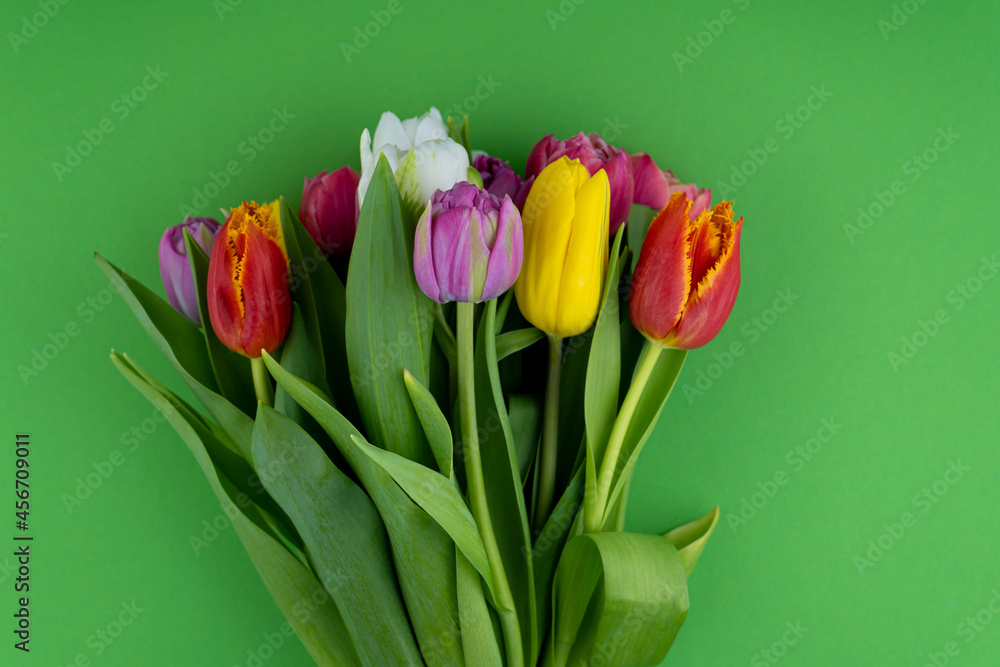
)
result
[(499, 179), (595, 154), (469, 245), (175, 269), (329, 210)]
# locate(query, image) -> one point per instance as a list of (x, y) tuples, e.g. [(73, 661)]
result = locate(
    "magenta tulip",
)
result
[(329, 210), (654, 187), (175, 267)]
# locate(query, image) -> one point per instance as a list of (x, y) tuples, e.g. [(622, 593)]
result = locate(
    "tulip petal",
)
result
[(651, 188), (586, 258), (390, 131), (661, 284), (506, 254), (622, 182), (451, 240), (547, 222), (423, 257)]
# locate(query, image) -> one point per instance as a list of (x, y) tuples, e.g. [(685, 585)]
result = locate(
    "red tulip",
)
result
[(329, 210), (248, 299), (687, 276), (654, 187)]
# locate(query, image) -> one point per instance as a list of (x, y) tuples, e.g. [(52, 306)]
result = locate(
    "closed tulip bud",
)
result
[(248, 298), (687, 276), (329, 210), (654, 187), (175, 267), (565, 248), (499, 179), (468, 245), (595, 154)]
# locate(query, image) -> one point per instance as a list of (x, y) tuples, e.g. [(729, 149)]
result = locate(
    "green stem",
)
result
[(550, 436), (262, 382), (477, 486), (644, 369)]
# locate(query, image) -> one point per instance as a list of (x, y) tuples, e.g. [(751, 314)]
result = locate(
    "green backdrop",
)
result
[(851, 446)]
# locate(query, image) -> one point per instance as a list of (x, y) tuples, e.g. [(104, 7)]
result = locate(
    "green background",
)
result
[(583, 65)]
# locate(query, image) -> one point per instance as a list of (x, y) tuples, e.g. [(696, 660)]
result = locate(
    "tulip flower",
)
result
[(329, 210), (249, 302), (595, 154), (468, 246), (687, 276), (565, 248), (499, 179), (175, 268), (439, 162), (654, 187)]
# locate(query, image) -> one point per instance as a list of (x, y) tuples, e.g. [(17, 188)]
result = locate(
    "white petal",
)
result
[(391, 131)]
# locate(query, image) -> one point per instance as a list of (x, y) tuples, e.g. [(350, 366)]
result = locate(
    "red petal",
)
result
[(225, 309), (266, 299)]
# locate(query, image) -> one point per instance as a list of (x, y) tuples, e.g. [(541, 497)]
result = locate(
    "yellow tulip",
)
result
[(565, 224)]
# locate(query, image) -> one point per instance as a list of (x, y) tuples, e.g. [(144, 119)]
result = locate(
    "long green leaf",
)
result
[(479, 641), (619, 598), (423, 553), (435, 424), (526, 427), (647, 412), (691, 538), (307, 606), (389, 322), (504, 494), (343, 534), (232, 370), (514, 341)]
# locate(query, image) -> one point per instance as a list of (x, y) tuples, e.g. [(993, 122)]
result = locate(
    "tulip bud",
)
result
[(654, 187), (499, 179), (565, 248), (248, 299), (329, 210), (688, 274), (595, 154), (468, 245), (175, 268)]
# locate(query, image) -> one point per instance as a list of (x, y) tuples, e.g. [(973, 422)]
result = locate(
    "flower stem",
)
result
[(262, 382), (476, 485), (643, 371), (550, 436)]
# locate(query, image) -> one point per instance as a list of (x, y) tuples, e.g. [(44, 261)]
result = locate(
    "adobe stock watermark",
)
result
[(923, 502), (131, 440), (121, 108), (901, 13), (697, 44), (968, 629), (363, 35), (779, 649), (484, 91), (223, 7), (928, 329), (56, 342), (30, 25), (786, 126), (102, 638), (562, 12), (248, 150), (915, 168), (797, 458), (752, 330)]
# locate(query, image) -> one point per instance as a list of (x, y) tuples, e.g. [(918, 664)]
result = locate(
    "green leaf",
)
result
[(389, 322), (617, 595), (460, 134), (435, 424), (232, 370), (647, 412), (526, 428), (423, 553), (343, 534), (639, 220), (514, 341), (439, 497), (600, 402), (291, 583), (504, 494), (480, 644), (691, 538)]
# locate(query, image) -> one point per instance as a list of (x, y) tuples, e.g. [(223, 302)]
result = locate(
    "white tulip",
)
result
[(438, 162)]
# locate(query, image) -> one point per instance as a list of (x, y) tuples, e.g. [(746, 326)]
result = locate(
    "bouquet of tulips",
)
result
[(427, 392)]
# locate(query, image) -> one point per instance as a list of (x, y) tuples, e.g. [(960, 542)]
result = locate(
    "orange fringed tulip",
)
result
[(688, 275), (248, 298)]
